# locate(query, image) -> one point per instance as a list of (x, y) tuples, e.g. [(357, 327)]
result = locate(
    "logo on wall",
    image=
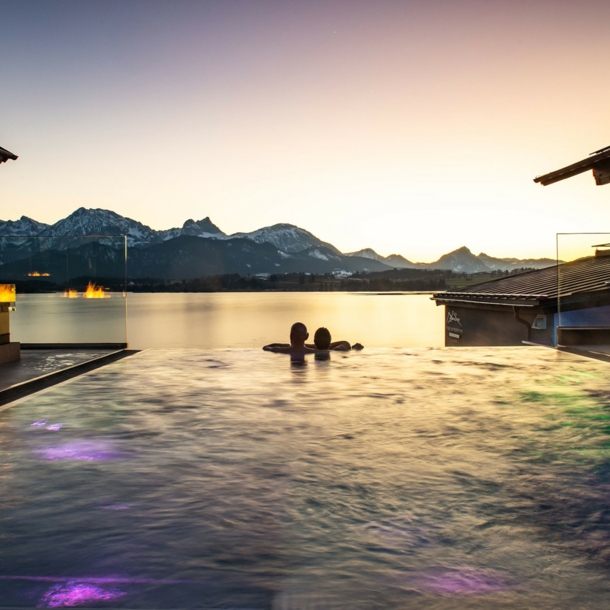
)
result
[(453, 331), (453, 317)]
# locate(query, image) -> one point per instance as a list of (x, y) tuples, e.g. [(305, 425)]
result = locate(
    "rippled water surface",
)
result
[(407, 478)]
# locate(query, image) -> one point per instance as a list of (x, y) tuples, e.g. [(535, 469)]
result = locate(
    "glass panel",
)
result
[(583, 289), (69, 289)]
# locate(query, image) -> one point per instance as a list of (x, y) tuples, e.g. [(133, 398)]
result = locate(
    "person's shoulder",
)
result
[(273, 346)]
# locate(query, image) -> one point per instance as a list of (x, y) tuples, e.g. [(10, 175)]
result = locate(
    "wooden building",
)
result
[(567, 304)]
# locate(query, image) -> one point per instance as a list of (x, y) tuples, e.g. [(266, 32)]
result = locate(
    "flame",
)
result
[(70, 293), (7, 293), (38, 274), (94, 292)]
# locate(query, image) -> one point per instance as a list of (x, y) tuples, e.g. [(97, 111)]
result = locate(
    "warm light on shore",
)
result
[(95, 292), (92, 292), (38, 274), (7, 293)]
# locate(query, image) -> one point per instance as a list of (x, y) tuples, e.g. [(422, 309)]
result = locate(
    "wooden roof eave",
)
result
[(5, 155), (600, 159), (532, 301), (593, 291), (440, 300)]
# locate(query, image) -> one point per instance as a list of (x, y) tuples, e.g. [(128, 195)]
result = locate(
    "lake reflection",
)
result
[(229, 319)]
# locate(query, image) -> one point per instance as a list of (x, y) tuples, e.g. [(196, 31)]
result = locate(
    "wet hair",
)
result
[(299, 330), (322, 338)]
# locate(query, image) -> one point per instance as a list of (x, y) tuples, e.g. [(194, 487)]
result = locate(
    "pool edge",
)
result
[(43, 382)]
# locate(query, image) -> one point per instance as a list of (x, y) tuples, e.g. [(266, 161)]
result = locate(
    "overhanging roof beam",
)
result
[(5, 155), (599, 162)]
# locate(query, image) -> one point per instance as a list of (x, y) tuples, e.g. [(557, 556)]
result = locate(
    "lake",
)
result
[(235, 319)]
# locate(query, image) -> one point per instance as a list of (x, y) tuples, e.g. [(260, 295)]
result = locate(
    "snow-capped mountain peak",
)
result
[(286, 237), (394, 260), (290, 241), (199, 228), (86, 221), (460, 260), (367, 253), (25, 226)]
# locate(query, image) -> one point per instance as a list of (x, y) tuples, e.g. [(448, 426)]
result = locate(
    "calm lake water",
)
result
[(470, 478), (228, 319)]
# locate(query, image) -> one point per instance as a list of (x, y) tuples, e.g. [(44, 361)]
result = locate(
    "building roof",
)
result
[(5, 155), (540, 287), (598, 161)]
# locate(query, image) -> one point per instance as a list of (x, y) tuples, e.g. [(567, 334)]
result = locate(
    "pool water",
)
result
[(389, 478)]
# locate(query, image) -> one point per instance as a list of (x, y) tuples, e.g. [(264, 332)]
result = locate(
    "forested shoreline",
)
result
[(396, 280)]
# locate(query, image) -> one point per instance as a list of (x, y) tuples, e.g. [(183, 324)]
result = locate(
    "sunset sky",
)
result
[(411, 127)]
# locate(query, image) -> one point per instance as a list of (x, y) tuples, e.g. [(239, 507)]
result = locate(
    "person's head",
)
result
[(322, 338), (298, 334)]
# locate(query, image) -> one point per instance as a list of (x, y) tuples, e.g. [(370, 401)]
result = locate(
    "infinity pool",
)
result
[(411, 478)]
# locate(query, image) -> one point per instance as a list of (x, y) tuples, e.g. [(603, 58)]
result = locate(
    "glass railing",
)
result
[(583, 289), (69, 290)]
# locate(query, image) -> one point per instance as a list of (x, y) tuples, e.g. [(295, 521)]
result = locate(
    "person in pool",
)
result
[(296, 348), (322, 343)]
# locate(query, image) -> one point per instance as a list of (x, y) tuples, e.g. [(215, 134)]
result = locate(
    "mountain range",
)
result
[(200, 248)]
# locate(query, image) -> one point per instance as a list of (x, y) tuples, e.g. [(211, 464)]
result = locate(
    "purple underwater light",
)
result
[(74, 593), (54, 427), (79, 450), (464, 581), (40, 423)]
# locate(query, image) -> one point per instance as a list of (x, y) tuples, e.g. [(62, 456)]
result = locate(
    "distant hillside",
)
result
[(184, 257), (461, 260), (200, 228), (509, 264), (201, 248), (395, 261), (287, 238)]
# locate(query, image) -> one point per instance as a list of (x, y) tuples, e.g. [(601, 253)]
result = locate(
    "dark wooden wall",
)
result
[(472, 325)]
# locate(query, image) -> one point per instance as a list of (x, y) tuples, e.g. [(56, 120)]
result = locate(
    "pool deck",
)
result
[(41, 368)]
